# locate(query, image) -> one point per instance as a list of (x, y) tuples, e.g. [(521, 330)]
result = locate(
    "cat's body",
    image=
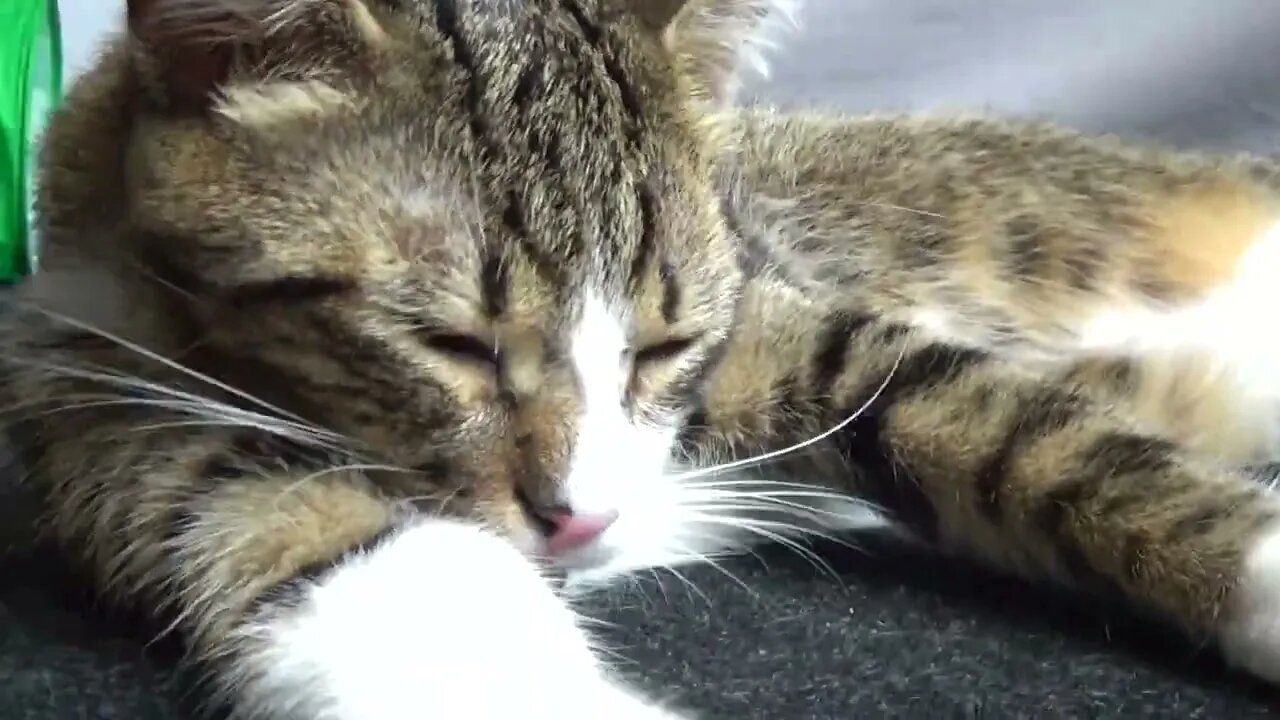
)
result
[(438, 291)]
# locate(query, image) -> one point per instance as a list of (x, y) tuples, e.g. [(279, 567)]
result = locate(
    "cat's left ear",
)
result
[(716, 41), (188, 51)]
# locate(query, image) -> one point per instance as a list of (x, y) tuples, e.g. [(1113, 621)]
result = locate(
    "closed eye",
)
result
[(462, 347), (664, 351)]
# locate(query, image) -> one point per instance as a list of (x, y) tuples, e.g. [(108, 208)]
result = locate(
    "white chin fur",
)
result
[(424, 626), (1250, 638)]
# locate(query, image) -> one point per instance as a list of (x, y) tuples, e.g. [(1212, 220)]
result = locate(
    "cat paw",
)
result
[(1250, 637), (441, 620)]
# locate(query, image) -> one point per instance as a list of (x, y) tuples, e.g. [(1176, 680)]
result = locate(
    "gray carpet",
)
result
[(892, 635)]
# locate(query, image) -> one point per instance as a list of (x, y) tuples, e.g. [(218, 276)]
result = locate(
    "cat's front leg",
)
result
[(439, 619), (1036, 478), (1024, 472), (313, 596)]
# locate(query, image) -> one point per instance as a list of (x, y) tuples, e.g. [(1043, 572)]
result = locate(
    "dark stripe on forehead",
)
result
[(529, 84), (597, 38), (543, 264), (529, 88), (526, 138), (513, 216), (646, 192), (546, 145), (670, 290), (647, 201), (494, 286), (448, 25)]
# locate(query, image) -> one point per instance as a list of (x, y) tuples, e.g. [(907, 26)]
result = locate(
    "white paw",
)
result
[(1250, 639), (443, 620)]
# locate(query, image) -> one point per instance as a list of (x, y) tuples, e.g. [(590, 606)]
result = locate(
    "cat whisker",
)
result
[(731, 509), (616, 658), (689, 585), (657, 580), (212, 422), (724, 510), (121, 401), (780, 497), (781, 534), (710, 560), (439, 500), (902, 208), (10, 409), (169, 363), (215, 417), (777, 505), (191, 403), (596, 621), (207, 414), (108, 376), (754, 483), (336, 469), (790, 449)]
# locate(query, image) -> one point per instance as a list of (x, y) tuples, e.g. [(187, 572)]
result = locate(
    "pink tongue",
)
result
[(575, 531)]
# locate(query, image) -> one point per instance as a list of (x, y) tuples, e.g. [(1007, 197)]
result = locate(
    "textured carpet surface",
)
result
[(893, 634)]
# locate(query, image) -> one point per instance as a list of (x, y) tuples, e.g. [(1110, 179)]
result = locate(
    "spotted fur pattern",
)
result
[(345, 302)]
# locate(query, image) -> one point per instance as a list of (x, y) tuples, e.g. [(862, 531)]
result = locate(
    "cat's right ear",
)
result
[(189, 50), (184, 66), (714, 41)]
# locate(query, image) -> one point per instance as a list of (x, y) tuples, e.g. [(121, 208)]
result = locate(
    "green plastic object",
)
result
[(30, 88)]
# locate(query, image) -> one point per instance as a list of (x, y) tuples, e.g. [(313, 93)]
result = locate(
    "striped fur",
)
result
[(345, 299)]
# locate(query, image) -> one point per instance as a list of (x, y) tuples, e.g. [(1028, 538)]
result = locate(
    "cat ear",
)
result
[(658, 14), (716, 41), (190, 49)]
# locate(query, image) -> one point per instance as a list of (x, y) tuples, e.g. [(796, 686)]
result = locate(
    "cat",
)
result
[(368, 332)]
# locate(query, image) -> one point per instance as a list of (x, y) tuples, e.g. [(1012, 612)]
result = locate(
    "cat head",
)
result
[(481, 238)]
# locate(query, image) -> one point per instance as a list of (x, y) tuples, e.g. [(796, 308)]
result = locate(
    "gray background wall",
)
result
[(1196, 72)]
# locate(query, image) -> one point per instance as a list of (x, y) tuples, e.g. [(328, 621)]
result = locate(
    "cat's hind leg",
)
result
[(1186, 347)]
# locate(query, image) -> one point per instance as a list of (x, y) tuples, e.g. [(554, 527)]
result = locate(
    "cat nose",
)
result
[(562, 529), (572, 531)]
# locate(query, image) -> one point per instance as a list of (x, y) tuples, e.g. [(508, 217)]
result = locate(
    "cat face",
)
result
[(481, 239)]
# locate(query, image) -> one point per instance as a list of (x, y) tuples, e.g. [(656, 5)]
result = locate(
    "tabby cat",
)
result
[(364, 323)]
